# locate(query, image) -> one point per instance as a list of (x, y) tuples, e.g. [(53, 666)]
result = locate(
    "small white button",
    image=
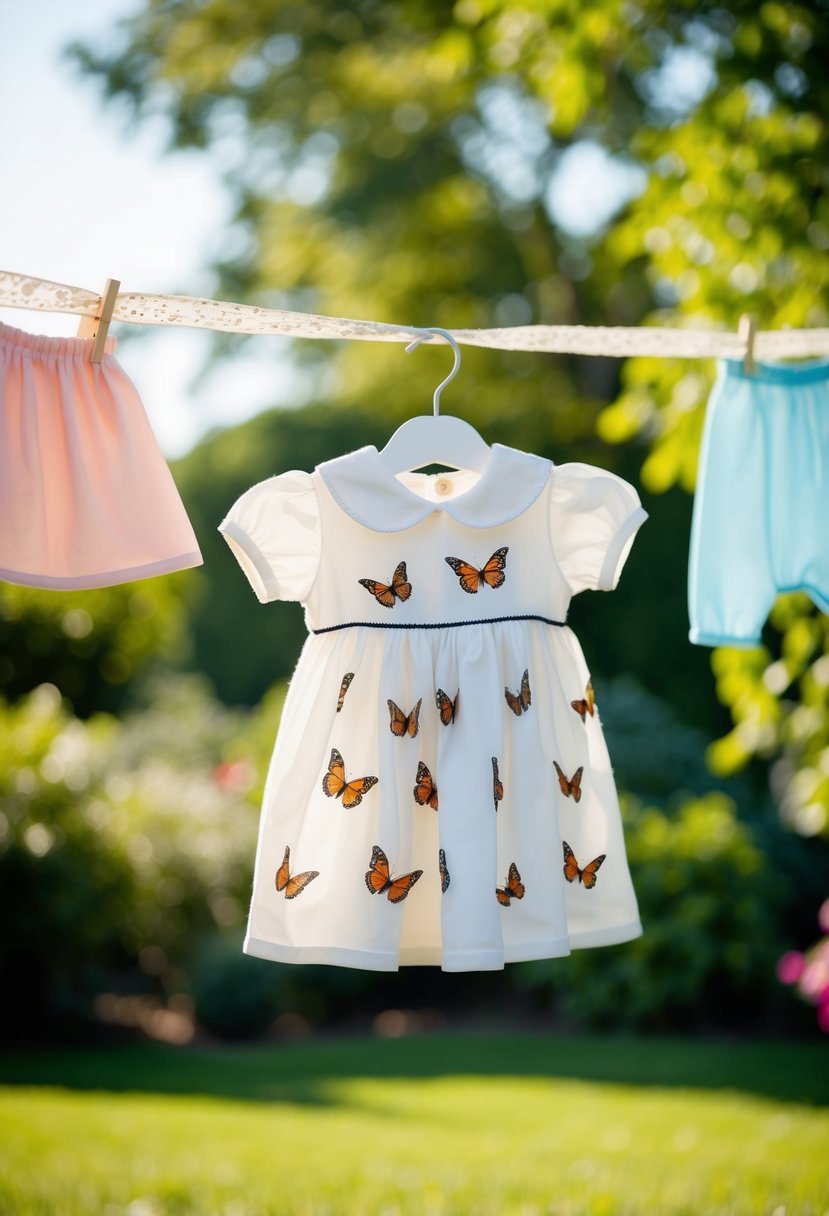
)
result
[(443, 486)]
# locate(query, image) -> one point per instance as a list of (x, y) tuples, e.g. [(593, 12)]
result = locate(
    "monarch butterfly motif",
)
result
[(497, 785), (572, 870), (401, 724), (292, 884), (471, 578), (425, 790), (444, 873), (571, 788), (344, 687), (447, 708), (586, 706), (520, 702), (335, 785), (513, 888), (379, 879), (387, 593)]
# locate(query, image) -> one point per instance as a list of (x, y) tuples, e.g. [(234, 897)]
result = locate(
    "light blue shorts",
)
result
[(761, 513)]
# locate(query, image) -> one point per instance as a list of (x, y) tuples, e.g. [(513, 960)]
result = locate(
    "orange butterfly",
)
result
[(425, 790), (379, 879), (444, 873), (401, 724), (292, 884), (513, 888), (520, 702), (572, 869), (387, 593), (344, 687), (497, 786), (471, 578), (571, 788), (335, 785), (588, 705), (447, 708)]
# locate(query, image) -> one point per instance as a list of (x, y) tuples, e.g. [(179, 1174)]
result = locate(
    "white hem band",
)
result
[(106, 578), (450, 960), (613, 935)]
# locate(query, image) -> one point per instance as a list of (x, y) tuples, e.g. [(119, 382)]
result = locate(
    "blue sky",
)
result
[(85, 199)]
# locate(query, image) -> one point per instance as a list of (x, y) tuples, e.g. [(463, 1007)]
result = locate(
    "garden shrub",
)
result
[(118, 848), (710, 901)]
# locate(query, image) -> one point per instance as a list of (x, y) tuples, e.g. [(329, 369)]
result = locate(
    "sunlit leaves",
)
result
[(781, 709), (728, 224), (445, 125)]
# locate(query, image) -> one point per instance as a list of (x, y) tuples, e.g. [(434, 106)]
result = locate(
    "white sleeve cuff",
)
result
[(251, 559), (618, 549)]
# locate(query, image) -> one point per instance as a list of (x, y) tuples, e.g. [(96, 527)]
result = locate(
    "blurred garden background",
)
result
[(487, 163)]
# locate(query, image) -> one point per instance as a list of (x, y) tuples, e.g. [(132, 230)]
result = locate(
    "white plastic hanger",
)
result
[(438, 439)]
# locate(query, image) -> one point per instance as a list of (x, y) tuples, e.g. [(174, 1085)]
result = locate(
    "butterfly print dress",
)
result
[(438, 660)]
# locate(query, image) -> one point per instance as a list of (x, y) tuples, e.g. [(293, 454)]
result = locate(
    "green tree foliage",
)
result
[(400, 162), (91, 644)]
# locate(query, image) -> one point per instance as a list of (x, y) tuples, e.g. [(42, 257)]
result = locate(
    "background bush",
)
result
[(126, 861)]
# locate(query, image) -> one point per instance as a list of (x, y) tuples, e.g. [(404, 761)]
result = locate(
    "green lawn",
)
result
[(441, 1124)]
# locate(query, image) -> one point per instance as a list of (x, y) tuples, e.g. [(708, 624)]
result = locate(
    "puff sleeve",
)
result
[(273, 530), (594, 516)]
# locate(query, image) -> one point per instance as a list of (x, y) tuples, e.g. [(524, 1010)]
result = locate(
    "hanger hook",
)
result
[(443, 333)]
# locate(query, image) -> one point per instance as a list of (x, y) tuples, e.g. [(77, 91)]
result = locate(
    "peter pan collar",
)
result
[(365, 490)]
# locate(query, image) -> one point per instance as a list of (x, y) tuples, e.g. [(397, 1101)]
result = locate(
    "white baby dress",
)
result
[(440, 790)]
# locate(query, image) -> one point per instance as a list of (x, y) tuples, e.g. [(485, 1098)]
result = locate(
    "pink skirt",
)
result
[(86, 497)]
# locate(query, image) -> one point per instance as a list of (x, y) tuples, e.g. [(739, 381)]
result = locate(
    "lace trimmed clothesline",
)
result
[(138, 308)]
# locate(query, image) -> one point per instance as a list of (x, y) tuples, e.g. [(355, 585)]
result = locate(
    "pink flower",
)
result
[(810, 970), (790, 966), (814, 983), (235, 776)]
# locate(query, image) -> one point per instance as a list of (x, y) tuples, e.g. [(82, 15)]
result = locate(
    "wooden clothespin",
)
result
[(97, 327), (747, 333)]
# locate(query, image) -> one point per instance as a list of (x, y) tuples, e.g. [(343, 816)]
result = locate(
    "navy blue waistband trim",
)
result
[(490, 620)]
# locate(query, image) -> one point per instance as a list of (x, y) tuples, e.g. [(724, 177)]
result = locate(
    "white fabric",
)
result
[(362, 486), (593, 518), (142, 308), (440, 637), (274, 534)]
